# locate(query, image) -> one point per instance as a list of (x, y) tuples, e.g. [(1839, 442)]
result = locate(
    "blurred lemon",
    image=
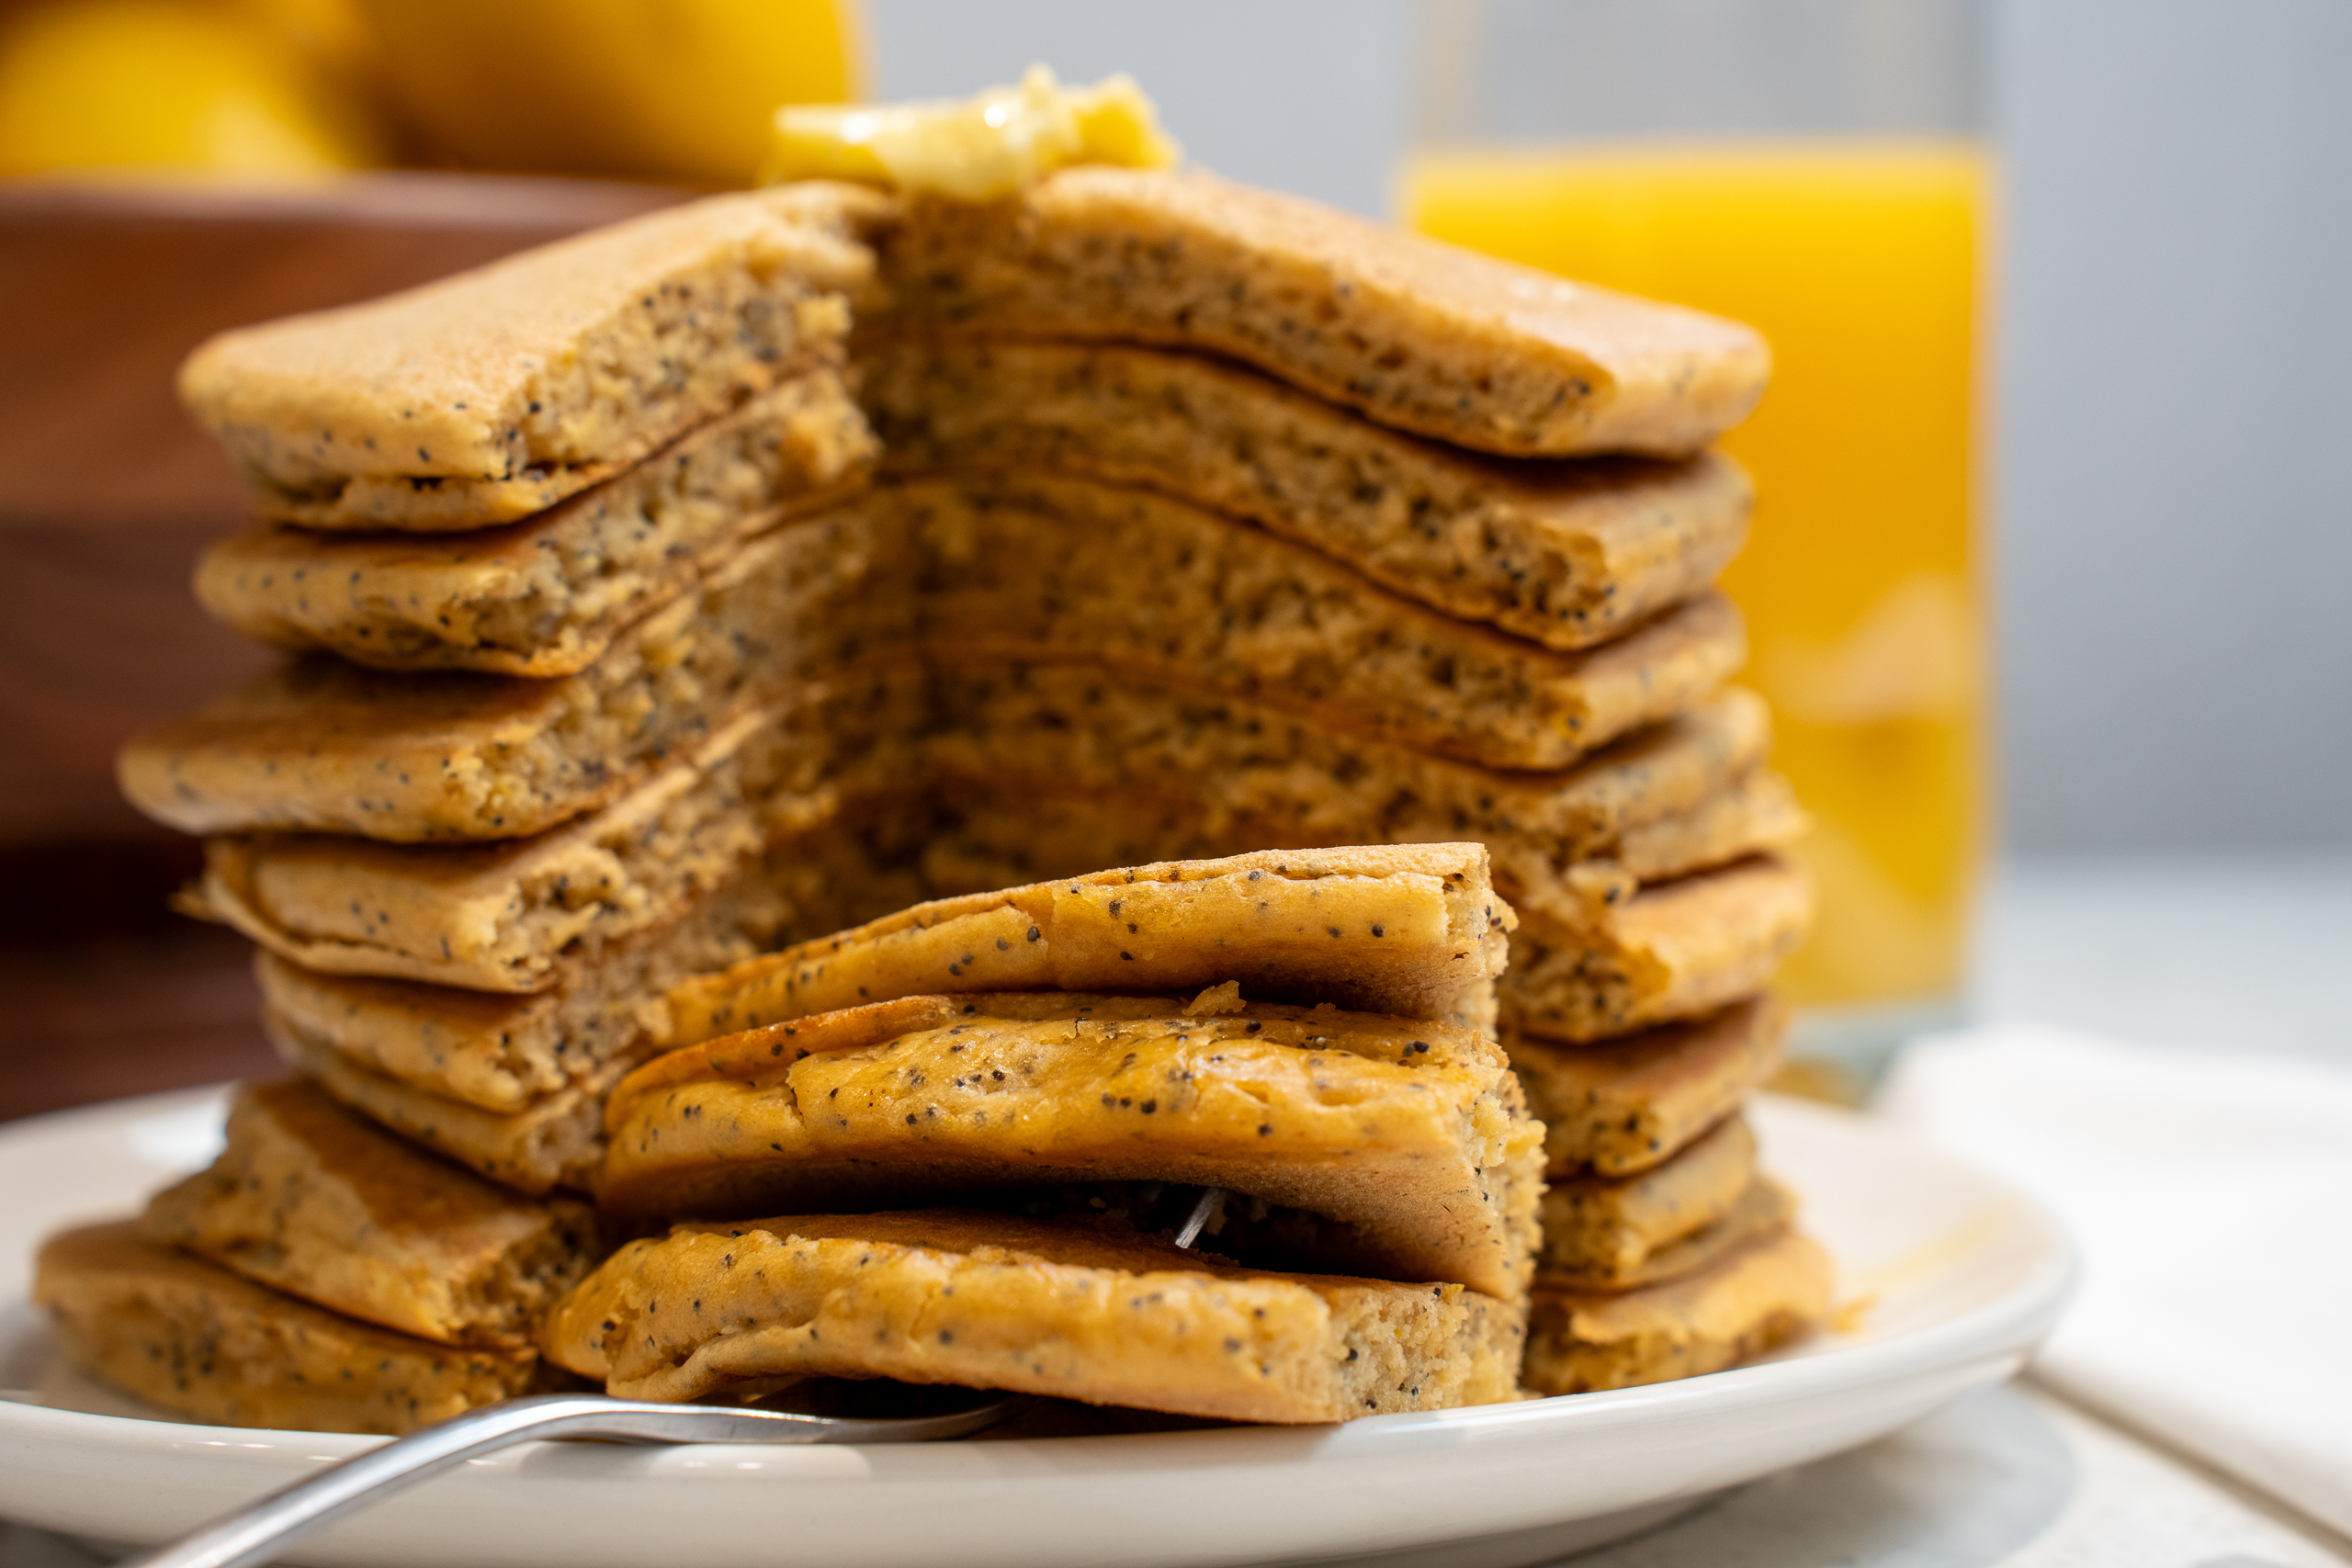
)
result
[(170, 85), (666, 89)]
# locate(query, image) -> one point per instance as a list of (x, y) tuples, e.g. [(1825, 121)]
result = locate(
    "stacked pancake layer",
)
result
[(1200, 520)]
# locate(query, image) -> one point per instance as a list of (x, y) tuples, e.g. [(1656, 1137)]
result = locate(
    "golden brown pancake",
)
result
[(991, 1301), (1568, 554), (1760, 1296), (313, 1199), (1416, 333), (193, 1338), (497, 392), (547, 596), (1615, 1106), (1414, 1134)]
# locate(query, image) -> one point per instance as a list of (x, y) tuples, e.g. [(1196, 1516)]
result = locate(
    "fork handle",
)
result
[(259, 1532)]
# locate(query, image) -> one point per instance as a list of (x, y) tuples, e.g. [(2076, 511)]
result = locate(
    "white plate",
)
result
[(1960, 1276)]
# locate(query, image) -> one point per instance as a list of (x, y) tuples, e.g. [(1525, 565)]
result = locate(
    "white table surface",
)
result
[(2246, 953)]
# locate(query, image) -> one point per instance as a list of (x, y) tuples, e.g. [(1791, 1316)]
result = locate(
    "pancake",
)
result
[(1568, 554), (193, 1338), (1049, 569), (313, 1199), (1605, 1230), (492, 394), (991, 1301), (319, 745), (1600, 972), (1596, 954), (1412, 930), (1416, 333), (1673, 950), (1410, 1131), (1075, 729), (1764, 1207), (547, 596), (1027, 759), (503, 916), (1762, 1295), (1618, 1107), (503, 1051), (555, 1140)]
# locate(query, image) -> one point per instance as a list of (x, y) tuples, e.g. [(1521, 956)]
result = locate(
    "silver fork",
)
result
[(259, 1531)]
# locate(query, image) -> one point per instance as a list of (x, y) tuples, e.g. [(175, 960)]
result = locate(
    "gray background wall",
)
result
[(2174, 367)]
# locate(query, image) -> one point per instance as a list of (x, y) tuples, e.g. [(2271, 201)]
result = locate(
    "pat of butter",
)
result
[(983, 149)]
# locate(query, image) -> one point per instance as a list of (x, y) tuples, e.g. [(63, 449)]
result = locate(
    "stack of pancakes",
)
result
[(1320, 1070), (1178, 519)]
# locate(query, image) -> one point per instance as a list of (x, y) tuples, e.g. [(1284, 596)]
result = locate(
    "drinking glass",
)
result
[(1814, 167)]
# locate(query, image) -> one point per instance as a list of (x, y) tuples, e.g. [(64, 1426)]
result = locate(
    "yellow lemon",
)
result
[(666, 89), (165, 83)]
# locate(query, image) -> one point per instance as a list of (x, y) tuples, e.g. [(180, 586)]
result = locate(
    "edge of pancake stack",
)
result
[(687, 591)]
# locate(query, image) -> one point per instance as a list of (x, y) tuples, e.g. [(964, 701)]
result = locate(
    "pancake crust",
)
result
[(1568, 554), (547, 596), (1760, 1296), (191, 1338), (1411, 1132), (992, 1302), (1413, 930), (316, 1200), (484, 397), (1416, 333), (1617, 1106)]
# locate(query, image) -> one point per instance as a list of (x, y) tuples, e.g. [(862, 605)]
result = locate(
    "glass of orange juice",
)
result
[(1813, 167)]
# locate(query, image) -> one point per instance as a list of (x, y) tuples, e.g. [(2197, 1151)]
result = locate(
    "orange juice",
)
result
[(1860, 261)]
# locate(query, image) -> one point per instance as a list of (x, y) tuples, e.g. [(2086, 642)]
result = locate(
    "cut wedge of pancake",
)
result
[(1605, 1230), (1417, 333), (1616, 1107), (313, 1199), (1568, 553), (1412, 1132), (995, 1301), (1760, 1296), (547, 596), (191, 1338), (1673, 950), (484, 397), (1413, 930)]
